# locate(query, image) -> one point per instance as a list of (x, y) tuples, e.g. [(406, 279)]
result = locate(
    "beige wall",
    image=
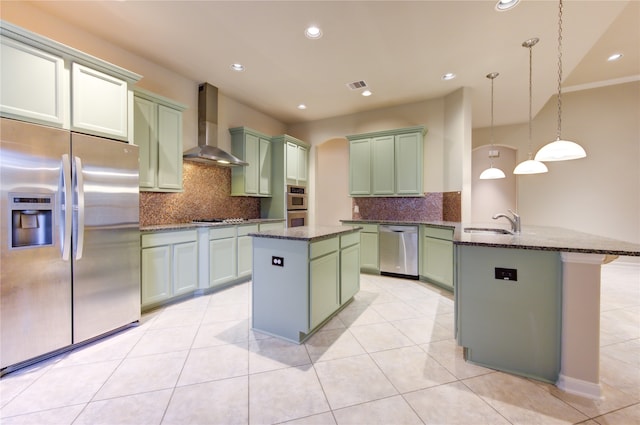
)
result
[(599, 194)]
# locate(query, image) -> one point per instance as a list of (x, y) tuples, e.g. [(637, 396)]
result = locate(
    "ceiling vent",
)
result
[(356, 85)]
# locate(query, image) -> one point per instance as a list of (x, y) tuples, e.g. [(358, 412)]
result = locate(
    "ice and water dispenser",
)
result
[(31, 219)]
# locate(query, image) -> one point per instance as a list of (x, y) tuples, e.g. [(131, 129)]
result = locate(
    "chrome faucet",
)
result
[(515, 221)]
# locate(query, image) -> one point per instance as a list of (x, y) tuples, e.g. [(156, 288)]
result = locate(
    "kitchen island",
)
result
[(303, 276), (529, 303)]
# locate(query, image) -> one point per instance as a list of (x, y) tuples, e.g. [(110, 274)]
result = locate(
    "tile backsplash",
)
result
[(207, 194), (434, 206)]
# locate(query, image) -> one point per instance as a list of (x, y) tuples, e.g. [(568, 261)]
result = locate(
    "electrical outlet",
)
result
[(506, 274), (277, 261)]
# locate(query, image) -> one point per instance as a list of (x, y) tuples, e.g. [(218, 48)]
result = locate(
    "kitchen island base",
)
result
[(300, 284)]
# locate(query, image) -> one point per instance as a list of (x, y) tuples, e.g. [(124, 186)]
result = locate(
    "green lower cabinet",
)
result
[(437, 256), (510, 320), (349, 272), (169, 266), (324, 288), (222, 256)]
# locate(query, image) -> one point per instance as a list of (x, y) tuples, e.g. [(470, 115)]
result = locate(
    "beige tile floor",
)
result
[(388, 358)]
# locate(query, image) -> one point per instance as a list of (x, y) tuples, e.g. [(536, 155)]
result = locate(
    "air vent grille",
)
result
[(356, 85)]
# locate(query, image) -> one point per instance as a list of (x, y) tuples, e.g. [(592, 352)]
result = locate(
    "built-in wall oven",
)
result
[(296, 206)]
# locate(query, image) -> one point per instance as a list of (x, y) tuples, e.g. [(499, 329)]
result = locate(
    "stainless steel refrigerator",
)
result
[(70, 254)]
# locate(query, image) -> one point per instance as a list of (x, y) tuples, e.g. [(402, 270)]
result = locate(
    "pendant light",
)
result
[(560, 150), (530, 166), (491, 172)]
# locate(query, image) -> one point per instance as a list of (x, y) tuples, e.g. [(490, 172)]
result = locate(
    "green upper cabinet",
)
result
[(158, 133), (360, 167), (386, 163), (254, 148), (48, 83), (297, 162)]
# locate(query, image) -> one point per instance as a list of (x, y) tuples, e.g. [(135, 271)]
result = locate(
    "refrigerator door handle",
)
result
[(66, 208), (80, 207)]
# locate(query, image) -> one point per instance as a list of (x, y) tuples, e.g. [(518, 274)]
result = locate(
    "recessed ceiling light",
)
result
[(237, 67), (367, 93), (614, 57), (313, 32), (302, 106), (448, 76), (503, 5)]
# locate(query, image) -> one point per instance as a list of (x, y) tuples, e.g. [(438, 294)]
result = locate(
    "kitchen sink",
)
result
[(489, 230)]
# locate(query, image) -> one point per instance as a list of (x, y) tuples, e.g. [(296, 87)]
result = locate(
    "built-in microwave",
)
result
[(296, 198)]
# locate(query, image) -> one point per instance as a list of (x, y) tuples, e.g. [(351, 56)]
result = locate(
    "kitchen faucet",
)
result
[(515, 221)]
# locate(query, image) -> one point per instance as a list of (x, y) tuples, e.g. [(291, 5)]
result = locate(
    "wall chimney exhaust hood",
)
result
[(207, 151)]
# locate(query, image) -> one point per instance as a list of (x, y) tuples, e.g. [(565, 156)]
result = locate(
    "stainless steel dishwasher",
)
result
[(399, 250)]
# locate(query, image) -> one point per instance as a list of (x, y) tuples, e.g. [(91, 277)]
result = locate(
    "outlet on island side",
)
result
[(277, 261), (506, 274)]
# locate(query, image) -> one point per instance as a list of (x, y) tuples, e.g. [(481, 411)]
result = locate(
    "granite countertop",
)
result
[(306, 233), (186, 226), (532, 237)]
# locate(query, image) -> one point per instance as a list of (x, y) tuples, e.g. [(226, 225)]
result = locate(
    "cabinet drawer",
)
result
[(323, 247), (245, 230), (350, 239), (368, 228), (438, 233), (167, 238), (272, 226), (225, 232)]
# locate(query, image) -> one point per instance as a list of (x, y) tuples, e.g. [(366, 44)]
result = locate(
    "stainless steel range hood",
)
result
[(207, 151)]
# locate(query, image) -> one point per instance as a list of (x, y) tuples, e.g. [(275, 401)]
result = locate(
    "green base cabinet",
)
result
[(245, 249), (349, 266), (436, 259), (169, 266), (222, 256), (510, 325), (324, 280)]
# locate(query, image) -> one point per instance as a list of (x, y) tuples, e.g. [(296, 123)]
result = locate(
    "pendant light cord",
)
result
[(559, 69), (530, 95)]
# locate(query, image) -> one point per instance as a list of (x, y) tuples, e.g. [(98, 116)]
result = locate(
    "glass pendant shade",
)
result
[(530, 166), (560, 150), (492, 173)]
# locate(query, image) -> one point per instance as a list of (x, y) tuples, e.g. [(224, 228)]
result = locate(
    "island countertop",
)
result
[(532, 237), (306, 233)]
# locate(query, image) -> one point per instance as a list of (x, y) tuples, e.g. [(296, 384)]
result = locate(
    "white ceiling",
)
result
[(401, 49)]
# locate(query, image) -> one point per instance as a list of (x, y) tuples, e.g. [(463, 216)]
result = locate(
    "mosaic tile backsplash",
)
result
[(434, 206), (207, 194)]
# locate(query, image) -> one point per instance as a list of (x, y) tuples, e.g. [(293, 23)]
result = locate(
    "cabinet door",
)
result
[(251, 171), (360, 167), (383, 154), (144, 135), (369, 252), (324, 288), (222, 261), (349, 272), (245, 256), (437, 260), (408, 152), (32, 84), (169, 148), (264, 183), (303, 159), (185, 267), (155, 269), (99, 103), (292, 163)]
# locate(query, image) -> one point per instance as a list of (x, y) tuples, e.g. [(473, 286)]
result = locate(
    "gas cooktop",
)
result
[(220, 220)]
